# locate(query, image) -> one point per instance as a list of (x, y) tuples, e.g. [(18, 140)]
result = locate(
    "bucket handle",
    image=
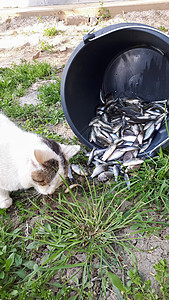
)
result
[(90, 36)]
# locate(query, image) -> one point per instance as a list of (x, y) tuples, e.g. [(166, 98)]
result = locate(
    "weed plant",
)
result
[(103, 12), (52, 31), (163, 29), (46, 46)]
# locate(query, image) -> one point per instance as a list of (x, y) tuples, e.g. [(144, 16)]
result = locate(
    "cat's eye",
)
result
[(38, 181), (38, 178)]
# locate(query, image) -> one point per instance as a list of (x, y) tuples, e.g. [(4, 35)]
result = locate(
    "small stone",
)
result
[(29, 99), (93, 21), (36, 55), (81, 257), (15, 33), (63, 48), (8, 20)]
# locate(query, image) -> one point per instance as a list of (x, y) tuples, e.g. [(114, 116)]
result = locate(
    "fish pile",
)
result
[(122, 130)]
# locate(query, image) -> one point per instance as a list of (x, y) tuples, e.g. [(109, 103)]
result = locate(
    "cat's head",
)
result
[(50, 165)]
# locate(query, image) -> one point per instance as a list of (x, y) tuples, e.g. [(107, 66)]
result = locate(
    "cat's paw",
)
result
[(6, 203)]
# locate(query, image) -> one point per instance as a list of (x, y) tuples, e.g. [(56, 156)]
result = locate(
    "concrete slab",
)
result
[(90, 9), (28, 3)]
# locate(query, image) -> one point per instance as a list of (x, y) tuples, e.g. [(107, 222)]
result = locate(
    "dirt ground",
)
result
[(24, 39)]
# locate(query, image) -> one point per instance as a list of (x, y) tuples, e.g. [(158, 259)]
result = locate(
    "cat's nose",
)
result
[(51, 191)]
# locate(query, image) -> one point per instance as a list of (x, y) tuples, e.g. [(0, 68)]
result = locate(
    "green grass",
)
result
[(163, 29), (52, 31), (14, 83), (41, 238), (46, 46), (103, 13), (65, 226)]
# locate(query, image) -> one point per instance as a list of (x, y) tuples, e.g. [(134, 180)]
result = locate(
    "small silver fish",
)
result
[(78, 170), (148, 125), (104, 118), (127, 156), (114, 136), (116, 128), (159, 121), (153, 112), (128, 148), (92, 136), (116, 155), (91, 155), (109, 152), (116, 171), (94, 120), (104, 125), (127, 180), (140, 138), (133, 162), (135, 129), (145, 146), (99, 152), (70, 176), (135, 153), (99, 169), (130, 138), (104, 176), (149, 132)]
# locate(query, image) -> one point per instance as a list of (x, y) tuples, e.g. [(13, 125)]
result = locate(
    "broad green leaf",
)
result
[(18, 260), (48, 227), (29, 264), (9, 261), (44, 258), (14, 293), (115, 280), (4, 249), (2, 274), (16, 230), (21, 273), (35, 267), (33, 245), (134, 227)]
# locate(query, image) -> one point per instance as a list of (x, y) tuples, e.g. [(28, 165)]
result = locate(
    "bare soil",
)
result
[(24, 39)]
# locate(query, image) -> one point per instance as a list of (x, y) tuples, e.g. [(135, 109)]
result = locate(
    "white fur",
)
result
[(18, 161)]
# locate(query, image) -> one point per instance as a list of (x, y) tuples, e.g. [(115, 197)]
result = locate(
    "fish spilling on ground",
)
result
[(122, 130)]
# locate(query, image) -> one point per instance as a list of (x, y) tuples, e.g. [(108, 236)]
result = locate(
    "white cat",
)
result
[(28, 160)]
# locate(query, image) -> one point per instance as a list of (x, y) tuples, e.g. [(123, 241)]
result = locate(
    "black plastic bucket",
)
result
[(126, 59)]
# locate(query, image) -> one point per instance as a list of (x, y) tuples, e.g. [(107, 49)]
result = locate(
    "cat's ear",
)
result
[(41, 156), (70, 150)]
